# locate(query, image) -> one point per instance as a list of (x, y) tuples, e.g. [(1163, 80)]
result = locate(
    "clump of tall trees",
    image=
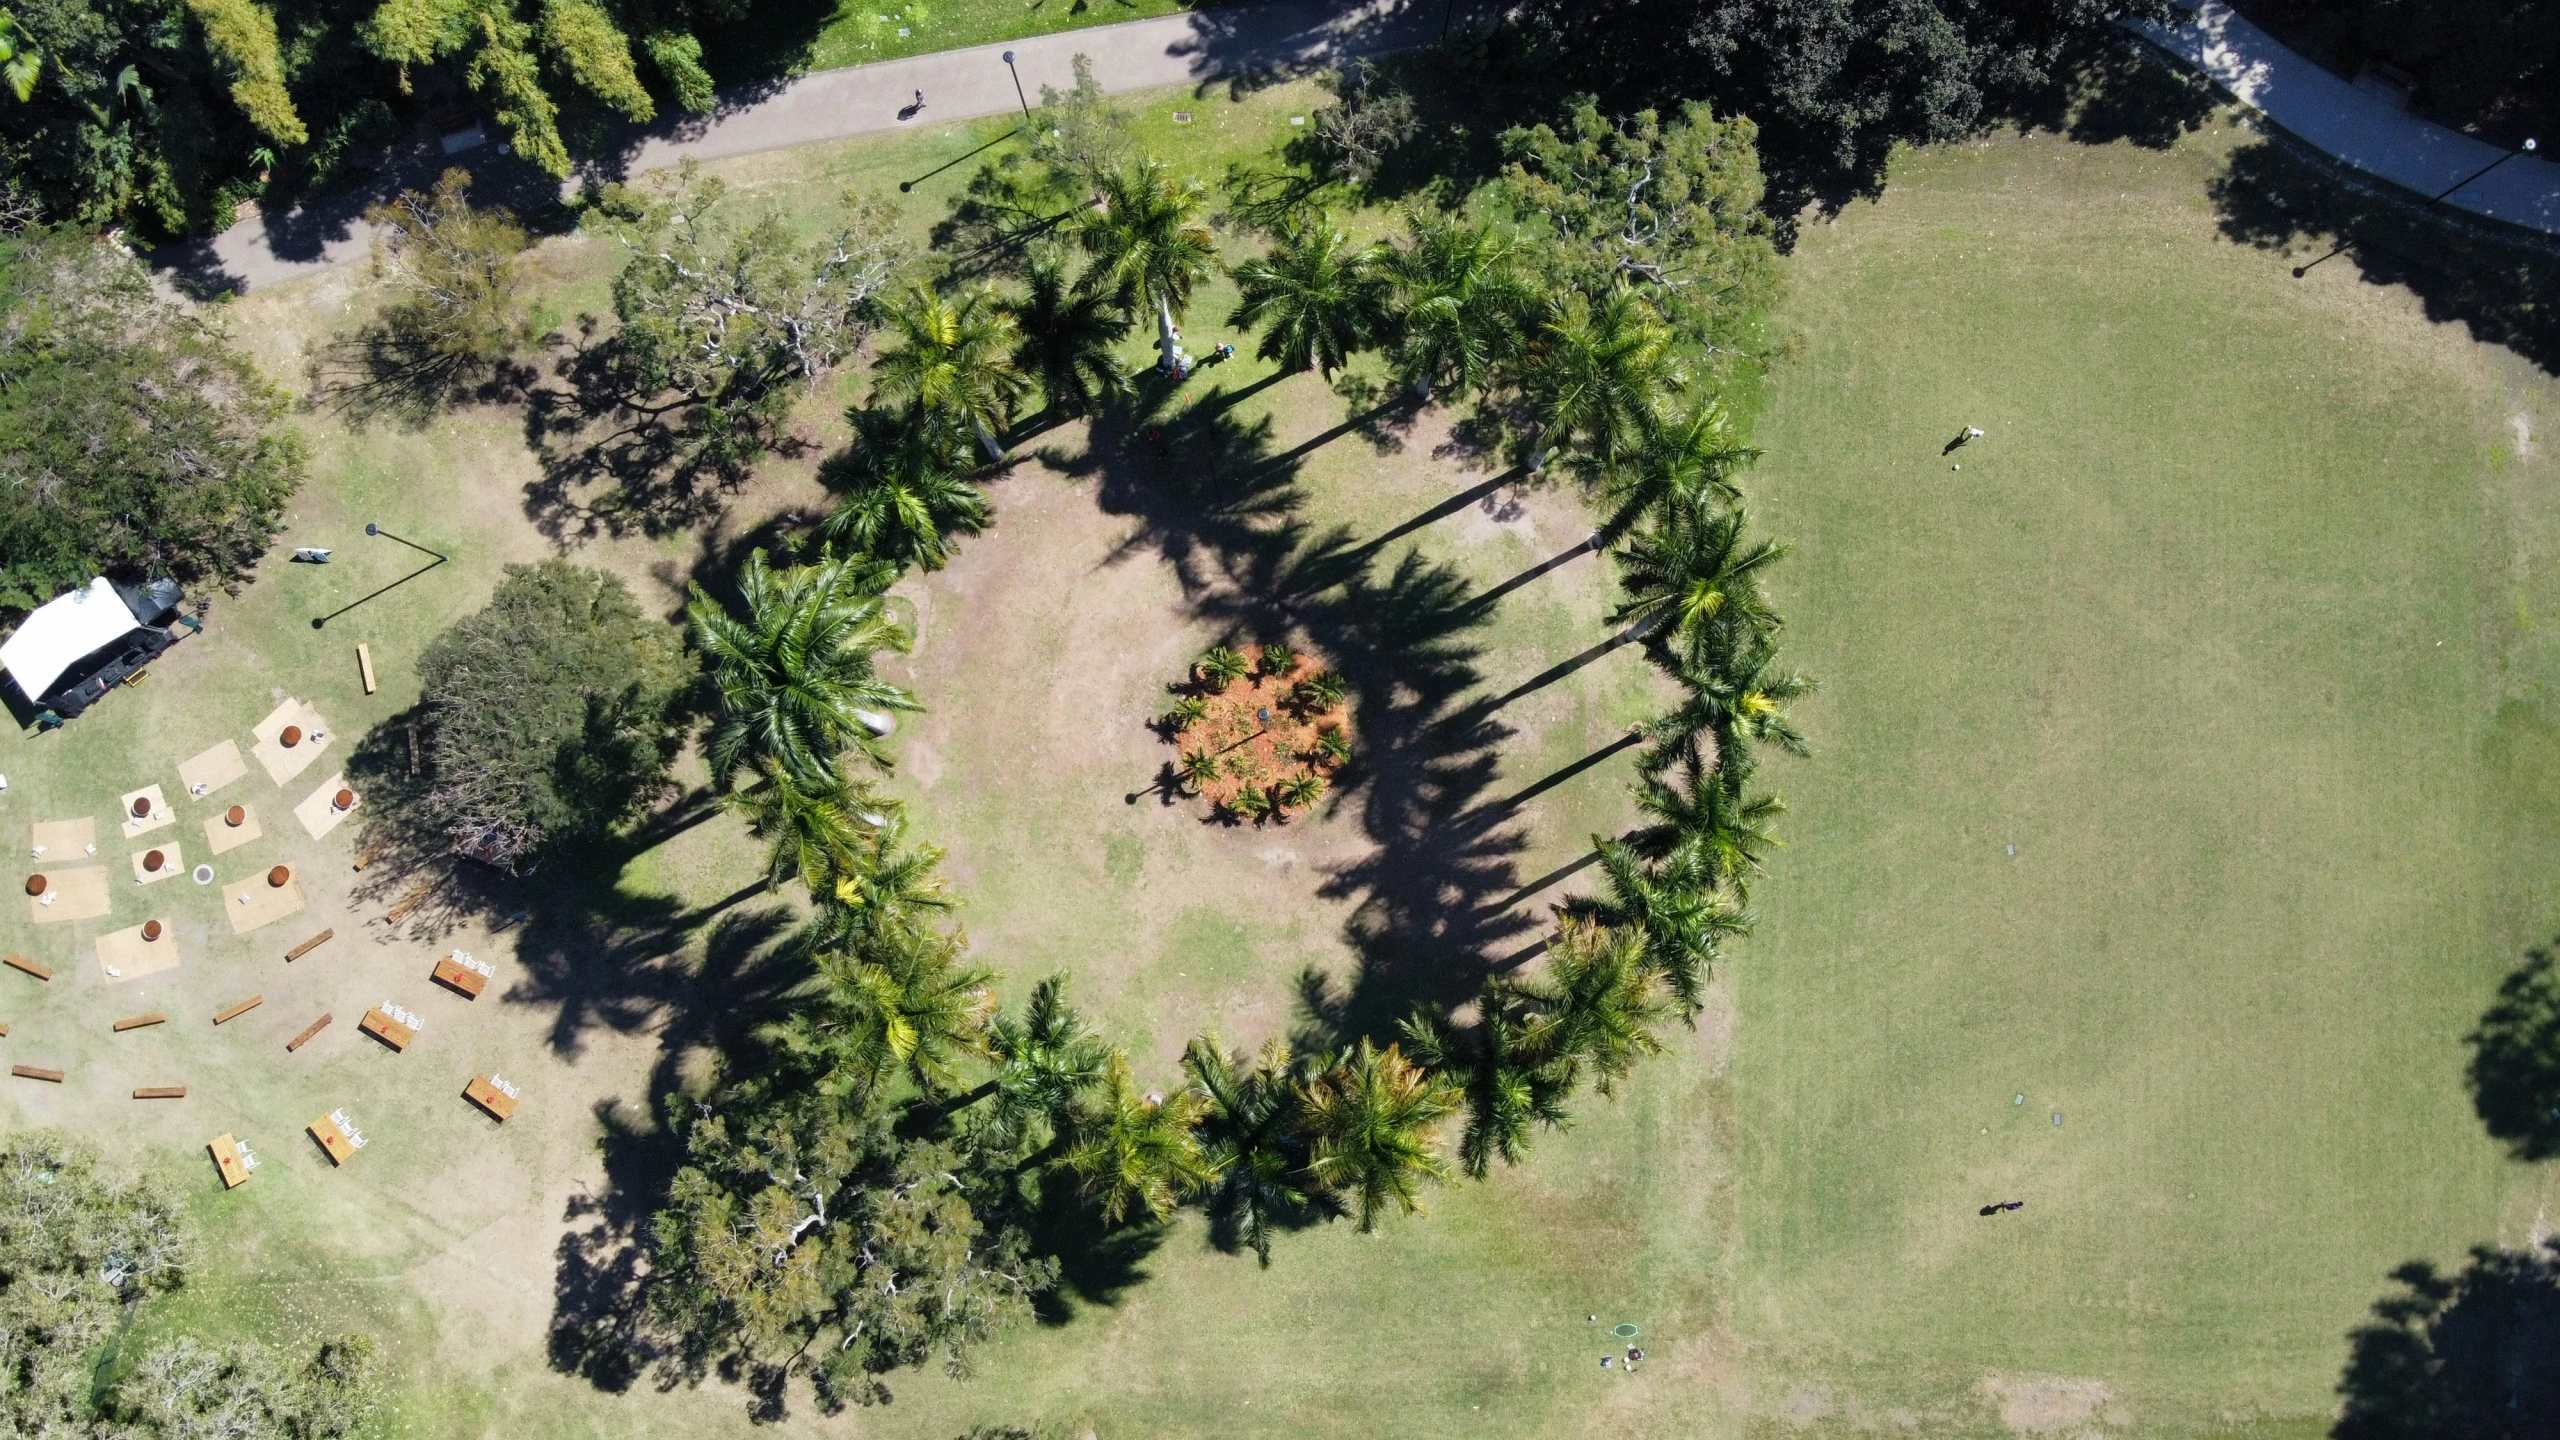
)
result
[(133, 440), (81, 1246), (164, 114)]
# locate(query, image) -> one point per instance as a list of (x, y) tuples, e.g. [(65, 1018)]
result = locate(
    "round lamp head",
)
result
[(2529, 144), (372, 529), (1008, 57)]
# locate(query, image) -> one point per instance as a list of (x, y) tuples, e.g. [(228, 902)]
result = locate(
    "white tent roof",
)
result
[(60, 632)]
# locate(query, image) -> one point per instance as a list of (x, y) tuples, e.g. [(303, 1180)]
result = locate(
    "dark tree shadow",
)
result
[(2515, 1060), (2284, 199), (2468, 1356)]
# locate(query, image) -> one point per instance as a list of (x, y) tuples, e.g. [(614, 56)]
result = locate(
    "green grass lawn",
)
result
[(864, 30), (2234, 626)]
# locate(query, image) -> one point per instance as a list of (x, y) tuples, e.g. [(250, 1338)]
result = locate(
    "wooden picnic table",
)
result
[(332, 1140), (226, 1158), (460, 977), (489, 1097), (387, 1030)]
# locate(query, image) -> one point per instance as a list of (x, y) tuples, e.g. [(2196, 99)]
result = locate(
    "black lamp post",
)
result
[(1017, 87), (2527, 148)]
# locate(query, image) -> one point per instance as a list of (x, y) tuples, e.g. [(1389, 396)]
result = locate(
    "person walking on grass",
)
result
[(1970, 432)]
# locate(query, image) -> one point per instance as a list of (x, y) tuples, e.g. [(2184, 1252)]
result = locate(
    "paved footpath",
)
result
[(2361, 129), (1198, 49)]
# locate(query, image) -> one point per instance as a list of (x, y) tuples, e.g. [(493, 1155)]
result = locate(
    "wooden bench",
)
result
[(333, 1141), (298, 1041), (137, 1022), (234, 1012), (307, 946), (459, 978), (160, 1092), (25, 966), (387, 1030), (489, 1097), (36, 1072), (226, 1158)]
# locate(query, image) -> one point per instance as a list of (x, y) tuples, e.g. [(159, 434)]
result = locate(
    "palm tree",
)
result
[(1137, 1151), (1674, 906), (816, 828), (1297, 792), (1507, 1071), (1318, 692), (1737, 702), (1197, 768), (1068, 334), (1222, 667), (1596, 373), (1047, 1062), (1256, 804), (1278, 660), (907, 496), (794, 675), (1315, 299), (1692, 586), (888, 891), (882, 1008), (1682, 462), (952, 360), (1458, 298), (1248, 1134), (1599, 1001), (1186, 712), (1704, 823), (1150, 243), (1373, 1116)]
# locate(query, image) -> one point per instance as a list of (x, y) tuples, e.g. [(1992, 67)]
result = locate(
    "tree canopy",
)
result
[(548, 713), (131, 438), (163, 113)]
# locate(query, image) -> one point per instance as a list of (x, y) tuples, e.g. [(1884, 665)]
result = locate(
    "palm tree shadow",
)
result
[(1098, 1262)]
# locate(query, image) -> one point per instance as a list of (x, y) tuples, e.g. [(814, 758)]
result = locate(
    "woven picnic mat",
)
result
[(124, 955), (222, 839), (62, 838), (173, 861), (280, 763), (317, 814), (253, 902), (78, 893), (212, 770), (160, 814)]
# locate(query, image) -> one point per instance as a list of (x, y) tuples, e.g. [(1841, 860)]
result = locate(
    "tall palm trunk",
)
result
[(987, 440), (1166, 339)]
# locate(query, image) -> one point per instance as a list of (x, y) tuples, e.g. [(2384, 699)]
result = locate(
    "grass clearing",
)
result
[(2228, 626)]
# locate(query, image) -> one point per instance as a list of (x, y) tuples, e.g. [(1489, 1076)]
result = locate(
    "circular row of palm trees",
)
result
[(1597, 384)]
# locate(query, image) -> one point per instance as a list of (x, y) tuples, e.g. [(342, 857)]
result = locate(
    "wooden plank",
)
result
[(4, 1030), (137, 1022), (298, 1041), (364, 662), (307, 946), (411, 901), (25, 966), (36, 1072), (160, 1092), (367, 855), (234, 1012)]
